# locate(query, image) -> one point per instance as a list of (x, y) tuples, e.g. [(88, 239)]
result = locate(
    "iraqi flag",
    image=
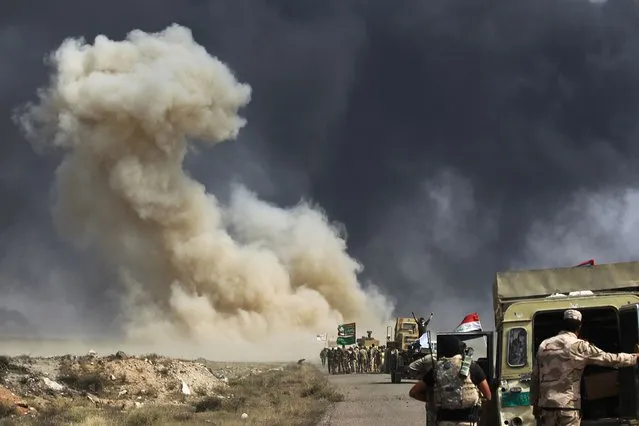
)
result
[(469, 323)]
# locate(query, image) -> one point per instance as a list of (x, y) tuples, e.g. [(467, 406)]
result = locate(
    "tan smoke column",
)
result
[(122, 111)]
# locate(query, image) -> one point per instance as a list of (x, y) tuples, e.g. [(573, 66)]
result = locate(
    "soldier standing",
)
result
[(352, 359), (329, 361), (378, 360), (347, 361), (456, 398), (423, 366), (363, 356), (557, 370), (373, 359), (323, 356)]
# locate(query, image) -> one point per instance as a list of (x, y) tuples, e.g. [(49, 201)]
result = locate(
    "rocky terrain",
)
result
[(136, 390)]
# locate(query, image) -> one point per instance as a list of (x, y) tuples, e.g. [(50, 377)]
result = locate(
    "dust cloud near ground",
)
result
[(197, 276)]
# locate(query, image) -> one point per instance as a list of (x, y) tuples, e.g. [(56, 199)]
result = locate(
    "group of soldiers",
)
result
[(354, 359), (454, 398)]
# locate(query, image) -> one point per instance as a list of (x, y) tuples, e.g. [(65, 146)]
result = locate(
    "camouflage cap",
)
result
[(572, 314)]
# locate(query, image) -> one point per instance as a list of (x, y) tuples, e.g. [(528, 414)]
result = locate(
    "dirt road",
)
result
[(371, 399)]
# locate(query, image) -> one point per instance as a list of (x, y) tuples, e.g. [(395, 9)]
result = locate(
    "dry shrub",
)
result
[(95, 421), (296, 395), (319, 387), (65, 411), (183, 416), (209, 403), (7, 410), (158, 415), (8, 366), (144, 416), (83, 376), (88, 382)]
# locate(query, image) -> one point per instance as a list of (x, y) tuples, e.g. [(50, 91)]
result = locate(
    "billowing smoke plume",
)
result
[(452, 138), (125, 114)]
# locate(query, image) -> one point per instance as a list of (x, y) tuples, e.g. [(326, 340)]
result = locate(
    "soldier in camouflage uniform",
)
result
[(363, 358), (557, 370), (456, 399), (372, 359), (423, 366), (352, 361)]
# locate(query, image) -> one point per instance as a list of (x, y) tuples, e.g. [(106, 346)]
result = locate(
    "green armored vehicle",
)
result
[(528, 309)]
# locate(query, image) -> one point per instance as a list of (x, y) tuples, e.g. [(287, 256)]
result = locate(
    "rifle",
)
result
[(433, 365)]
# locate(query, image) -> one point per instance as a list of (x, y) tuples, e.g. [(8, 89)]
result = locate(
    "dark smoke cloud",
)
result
[(442, 133)]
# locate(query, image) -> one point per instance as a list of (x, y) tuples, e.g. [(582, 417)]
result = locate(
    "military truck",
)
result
[(399, 354), (367, 341), (528, 309)]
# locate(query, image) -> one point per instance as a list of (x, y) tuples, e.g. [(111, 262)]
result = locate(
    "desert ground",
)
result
[(121, 389), (101, 388)]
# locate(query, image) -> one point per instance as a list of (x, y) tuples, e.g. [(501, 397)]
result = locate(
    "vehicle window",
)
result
[(517, 347), (479, 345)]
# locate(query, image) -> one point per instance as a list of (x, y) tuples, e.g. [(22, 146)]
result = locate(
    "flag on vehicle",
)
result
[(469, 323), (424, 340)]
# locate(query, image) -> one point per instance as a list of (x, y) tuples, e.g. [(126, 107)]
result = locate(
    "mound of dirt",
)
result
[(159, 378), (117, 380), (12, 401)]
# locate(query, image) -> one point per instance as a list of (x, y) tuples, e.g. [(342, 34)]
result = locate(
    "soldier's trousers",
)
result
[(559, 418)]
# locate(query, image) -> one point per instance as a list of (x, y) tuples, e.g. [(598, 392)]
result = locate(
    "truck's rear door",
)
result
[(629, 377)]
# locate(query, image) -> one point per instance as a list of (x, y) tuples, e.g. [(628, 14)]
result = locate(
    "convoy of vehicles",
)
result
[(367, 341), (528, 308), (399, 350)]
